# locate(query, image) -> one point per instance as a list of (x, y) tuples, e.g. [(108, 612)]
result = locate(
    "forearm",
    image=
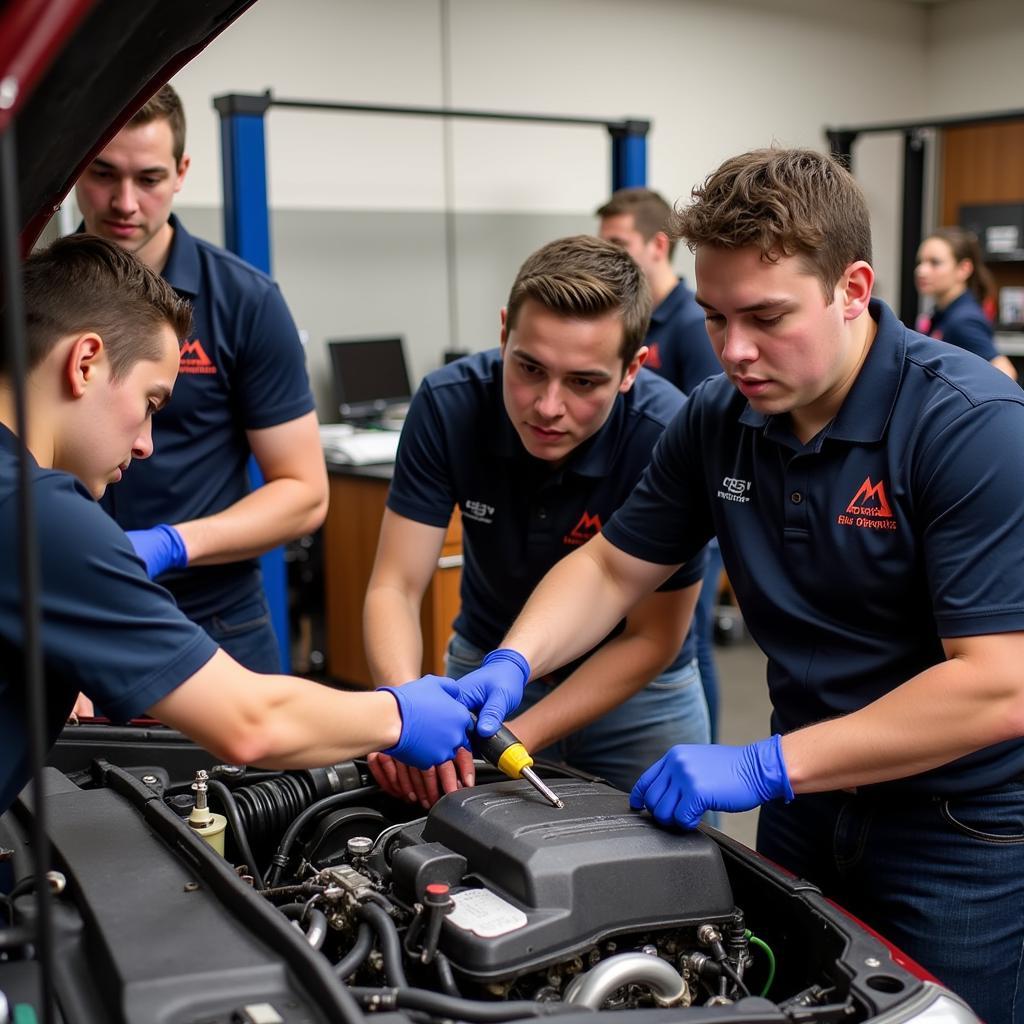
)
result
[(950, 710), (392, 635), (271, 515), (609, 677), (574, 607)]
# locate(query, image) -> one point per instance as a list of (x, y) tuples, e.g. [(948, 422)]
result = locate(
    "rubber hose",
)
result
[(357, 955), (390, 945), (462, 1009), (238, 831)]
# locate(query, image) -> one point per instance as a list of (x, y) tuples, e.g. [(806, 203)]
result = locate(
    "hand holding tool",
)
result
[(504, 750), (495, 689), (691, 779)]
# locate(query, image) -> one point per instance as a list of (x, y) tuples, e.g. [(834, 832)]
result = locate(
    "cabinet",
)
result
[(357, 498), (984, 164)]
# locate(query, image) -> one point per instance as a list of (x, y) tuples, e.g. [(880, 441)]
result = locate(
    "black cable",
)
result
[(390, 945), (445, 976), (356, 956), (28, 561), (459, 1009), (280, 858), (241, 837)]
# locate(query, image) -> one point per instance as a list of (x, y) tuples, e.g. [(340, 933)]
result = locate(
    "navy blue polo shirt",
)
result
[(678, 339), (963, 323), (243, 368), (107, 631), (519, 516), (900, 523)]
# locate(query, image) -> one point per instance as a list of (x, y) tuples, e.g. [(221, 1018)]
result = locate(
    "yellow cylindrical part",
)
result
[(514, 760), (210, 826)]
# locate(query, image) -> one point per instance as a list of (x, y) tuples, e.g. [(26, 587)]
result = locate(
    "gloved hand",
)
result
[(160, 547), (495, 689), (691, 779), (434, 721)]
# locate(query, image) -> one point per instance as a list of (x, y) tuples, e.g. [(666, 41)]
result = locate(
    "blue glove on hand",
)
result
[(435, 723), (495, 689), (691, 779), (161, 548)]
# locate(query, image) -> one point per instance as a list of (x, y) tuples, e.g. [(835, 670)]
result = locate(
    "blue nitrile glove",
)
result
[(160, 547), (495, 689), (435, 724), (691, 779)]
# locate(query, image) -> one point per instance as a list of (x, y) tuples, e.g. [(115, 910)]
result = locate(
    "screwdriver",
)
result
[(508, 755)]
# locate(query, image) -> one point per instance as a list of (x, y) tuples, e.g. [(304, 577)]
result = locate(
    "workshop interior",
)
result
[(390, 164)]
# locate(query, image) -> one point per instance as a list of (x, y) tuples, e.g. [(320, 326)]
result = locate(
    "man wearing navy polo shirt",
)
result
[(538, 443), (679, 350), (867, 487), (190, 512), (103, 333)]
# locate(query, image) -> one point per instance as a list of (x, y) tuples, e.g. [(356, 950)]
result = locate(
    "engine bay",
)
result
[(219, 893)]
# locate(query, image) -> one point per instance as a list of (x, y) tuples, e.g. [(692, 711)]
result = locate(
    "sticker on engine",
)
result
[(484, 913)]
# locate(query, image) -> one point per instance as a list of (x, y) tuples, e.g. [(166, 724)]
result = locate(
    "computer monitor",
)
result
[(370, 376)]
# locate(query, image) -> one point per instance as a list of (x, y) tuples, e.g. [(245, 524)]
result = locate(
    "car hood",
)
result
[(72, 72)]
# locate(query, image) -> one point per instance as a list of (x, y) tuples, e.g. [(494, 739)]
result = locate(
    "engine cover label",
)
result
[(485, 913)]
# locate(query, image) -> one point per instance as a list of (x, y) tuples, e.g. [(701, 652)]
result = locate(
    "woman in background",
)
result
[(950, 271)]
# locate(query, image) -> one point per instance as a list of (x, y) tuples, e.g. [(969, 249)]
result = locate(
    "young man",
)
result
[(537, 443), (867, 487), (679, 350), (103, 336), (190, 512)]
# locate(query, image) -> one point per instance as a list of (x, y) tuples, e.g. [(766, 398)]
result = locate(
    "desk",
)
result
[(357, 496)]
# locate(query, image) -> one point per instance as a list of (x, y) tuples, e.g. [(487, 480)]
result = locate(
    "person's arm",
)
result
[(1003, 363), (292, 502), (654, 632), (407, 554), (406, 560), (972, 700), (284, 722)]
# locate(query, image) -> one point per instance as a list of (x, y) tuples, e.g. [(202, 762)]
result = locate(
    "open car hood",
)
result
[(73, 72)]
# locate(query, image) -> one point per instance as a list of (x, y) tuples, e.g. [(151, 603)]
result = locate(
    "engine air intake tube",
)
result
[(593, 987)]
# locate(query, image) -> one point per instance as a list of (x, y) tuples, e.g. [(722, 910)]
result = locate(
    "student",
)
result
[(103, 334), (537, 443), (190, 512), (951, 272), (867, 489), (679, 350)]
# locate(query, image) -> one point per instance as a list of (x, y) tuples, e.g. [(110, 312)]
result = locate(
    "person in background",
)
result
[(867, 488), (951, 272), (680, 351), (537, 443), (190, 511), (103, 333)]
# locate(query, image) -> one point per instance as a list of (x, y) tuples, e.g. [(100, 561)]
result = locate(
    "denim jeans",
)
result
[(627, 740), (245, 631), (704, 633), (942, 878)]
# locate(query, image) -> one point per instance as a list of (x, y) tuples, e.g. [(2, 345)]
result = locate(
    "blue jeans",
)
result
[(704, 632), (942, 878), (627, 740), (245, 631)]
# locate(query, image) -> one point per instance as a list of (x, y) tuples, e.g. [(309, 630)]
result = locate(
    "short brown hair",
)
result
[(784, 202), (584, 277), (650, 211), (83, 283), (165, 105), (964, 245)]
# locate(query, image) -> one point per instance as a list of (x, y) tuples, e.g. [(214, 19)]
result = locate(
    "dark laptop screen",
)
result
[(369, 375)]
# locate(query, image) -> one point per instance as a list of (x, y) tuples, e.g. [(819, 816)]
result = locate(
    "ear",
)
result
[(83, 362), (183, 166), (854, 289), (633, 369), (660, 244), (964, 269), (503, 337)]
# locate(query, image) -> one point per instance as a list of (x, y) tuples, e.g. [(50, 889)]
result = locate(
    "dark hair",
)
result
[(585, 278), (83, 283), (649, 210), (165, 105), (784, 202), (965, 246)]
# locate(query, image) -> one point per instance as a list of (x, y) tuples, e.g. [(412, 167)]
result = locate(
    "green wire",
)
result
[(761, 944)]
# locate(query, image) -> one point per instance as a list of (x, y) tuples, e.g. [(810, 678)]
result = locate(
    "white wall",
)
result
[(715, 76)]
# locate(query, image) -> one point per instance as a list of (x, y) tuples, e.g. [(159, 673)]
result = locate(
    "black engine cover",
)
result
[(540, 884)]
